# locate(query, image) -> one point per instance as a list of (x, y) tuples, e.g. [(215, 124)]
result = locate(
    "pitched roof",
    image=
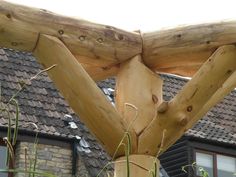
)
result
[(218, 125), (42, 104)]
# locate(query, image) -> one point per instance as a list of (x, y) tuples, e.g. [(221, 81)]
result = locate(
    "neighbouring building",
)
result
[(66, 147)]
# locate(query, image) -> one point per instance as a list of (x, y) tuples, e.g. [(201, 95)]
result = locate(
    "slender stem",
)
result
[(16, 122)]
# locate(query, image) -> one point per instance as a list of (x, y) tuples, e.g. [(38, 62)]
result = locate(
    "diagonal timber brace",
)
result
[(79, 48), (81, 92), (170, 120), (211, 83)]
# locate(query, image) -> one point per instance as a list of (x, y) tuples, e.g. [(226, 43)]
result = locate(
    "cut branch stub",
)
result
[(187, 107), (139, 86), (82, 93)]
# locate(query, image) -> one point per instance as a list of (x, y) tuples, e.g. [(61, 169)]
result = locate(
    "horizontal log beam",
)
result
[(183, 50), (81, 92), (94, 44), (211, 83), (179, 50)]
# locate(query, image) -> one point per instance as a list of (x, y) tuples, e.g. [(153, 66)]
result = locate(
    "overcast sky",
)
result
[(146, 15)]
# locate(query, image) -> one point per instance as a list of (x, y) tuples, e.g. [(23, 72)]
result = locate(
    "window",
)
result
[(216, 165), (205, 161), (3, 151)]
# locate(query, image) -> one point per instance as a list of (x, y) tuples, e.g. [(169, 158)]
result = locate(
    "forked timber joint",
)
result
[(85, 52)]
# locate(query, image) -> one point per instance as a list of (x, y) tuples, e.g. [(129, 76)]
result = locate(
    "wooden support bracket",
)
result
[(203, 91), (82, 93)]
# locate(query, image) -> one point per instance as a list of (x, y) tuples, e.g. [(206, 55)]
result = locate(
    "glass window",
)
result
[(204, 161), (226, 166), (3, 150)]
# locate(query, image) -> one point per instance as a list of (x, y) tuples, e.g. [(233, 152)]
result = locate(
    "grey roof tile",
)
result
[(41, 103)]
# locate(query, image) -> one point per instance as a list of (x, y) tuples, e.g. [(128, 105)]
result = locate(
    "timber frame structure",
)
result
[(85, 52)]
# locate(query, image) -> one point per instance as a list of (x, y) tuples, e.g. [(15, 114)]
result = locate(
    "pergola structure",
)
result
[(85, 52)]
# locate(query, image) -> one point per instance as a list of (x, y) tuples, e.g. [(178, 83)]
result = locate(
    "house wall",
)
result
[(175, 158), (50, 158)]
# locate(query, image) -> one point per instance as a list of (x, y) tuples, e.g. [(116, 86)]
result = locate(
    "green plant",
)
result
[(127, 147), (11, 140), (201, 170)]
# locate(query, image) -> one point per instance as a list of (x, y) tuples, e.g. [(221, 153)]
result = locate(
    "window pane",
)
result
[(226, 166), (204, 161), (3, 150)]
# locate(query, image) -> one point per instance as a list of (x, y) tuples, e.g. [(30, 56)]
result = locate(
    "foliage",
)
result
[(11, 140), (201, 170), (127, 149)]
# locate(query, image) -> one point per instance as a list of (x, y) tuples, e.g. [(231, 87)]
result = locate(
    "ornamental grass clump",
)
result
[(12, 133)]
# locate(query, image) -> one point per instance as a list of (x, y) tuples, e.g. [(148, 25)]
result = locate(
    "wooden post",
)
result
[(140, 166), (138, 86), (82, 93)]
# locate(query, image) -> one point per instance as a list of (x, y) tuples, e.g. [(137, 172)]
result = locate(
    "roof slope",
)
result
[(218, 125), (42, 104)]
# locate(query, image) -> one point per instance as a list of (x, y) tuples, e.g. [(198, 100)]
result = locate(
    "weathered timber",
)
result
[(100, 73), (141, 88), (90, 43), (183, 50), (225, 89), (181, 113), (180, 50), (140, 166), (83, 95)]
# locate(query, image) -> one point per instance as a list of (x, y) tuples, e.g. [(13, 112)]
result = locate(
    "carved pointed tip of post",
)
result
[(163, 107)]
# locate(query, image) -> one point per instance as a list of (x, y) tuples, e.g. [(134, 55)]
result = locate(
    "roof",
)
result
[(35, 102), (218, 125), (42, 104)]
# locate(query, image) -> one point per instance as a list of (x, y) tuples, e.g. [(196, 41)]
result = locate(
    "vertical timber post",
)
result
[(139, 166), (138, 94)]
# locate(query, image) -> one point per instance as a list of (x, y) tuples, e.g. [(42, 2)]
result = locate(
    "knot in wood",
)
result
[(189, 108), (163, 107), (183, 120), (8, 15), (119, 37), (82, 38), (154, 99), (100, 40), (61, 32), (14, 43)]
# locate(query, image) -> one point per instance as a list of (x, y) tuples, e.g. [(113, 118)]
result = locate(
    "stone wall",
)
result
[(52, 159)]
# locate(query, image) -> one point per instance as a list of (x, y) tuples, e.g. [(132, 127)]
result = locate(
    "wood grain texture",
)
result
[(181, 49), (102, 45), (139, 86), (81, 92), (140, 166), (187, 106)]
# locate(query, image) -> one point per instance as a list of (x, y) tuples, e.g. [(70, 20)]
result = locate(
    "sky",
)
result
[(144, 15)]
